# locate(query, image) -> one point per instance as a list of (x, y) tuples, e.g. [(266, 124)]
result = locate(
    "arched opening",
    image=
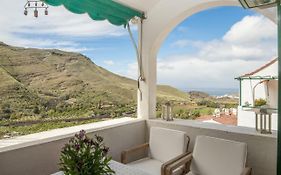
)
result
[(212, 56), (162, 18)]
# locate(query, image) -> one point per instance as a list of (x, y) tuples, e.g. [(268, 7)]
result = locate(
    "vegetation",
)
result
[(198, 104), (260, 102), (39, 87), (47, 89), (43, 126), (85, 156)]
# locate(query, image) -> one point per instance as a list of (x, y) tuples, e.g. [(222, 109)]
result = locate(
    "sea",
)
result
[(216, 91)]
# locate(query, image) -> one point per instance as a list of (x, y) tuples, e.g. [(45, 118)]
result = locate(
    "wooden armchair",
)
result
[(214, 156), (164, 148)]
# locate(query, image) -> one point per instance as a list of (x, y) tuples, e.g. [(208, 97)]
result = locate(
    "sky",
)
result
[(207, 50)]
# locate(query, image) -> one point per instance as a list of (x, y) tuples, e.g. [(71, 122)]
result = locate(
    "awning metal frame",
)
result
[(257, 78)]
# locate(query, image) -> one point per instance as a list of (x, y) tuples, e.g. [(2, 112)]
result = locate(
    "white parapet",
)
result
[(248, 119)]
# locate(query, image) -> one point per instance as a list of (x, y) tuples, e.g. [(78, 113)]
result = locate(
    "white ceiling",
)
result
[(146, 5), (143, 5)]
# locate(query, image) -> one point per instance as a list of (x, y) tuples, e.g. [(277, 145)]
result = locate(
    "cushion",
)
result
[(190, 173), (152, 166), (166, 144), (148, 165), (215, 156)]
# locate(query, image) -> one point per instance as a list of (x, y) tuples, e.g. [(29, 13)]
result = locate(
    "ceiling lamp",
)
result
[(35, 5)]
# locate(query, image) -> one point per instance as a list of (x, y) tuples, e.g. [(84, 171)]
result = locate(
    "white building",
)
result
[(259, 84)]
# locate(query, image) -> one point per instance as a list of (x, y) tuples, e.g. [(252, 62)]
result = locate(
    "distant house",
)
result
[(259, 85)]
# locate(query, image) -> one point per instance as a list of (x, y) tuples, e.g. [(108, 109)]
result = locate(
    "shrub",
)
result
[(195, 114), (36, 110), (6, 109), (208, 103)]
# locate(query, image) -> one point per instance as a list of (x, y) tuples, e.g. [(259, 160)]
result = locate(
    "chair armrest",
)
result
[(164, 166), (125, 153), (184, 160), (247, 171)]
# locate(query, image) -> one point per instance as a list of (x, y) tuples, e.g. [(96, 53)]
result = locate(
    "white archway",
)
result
[(161, 20)]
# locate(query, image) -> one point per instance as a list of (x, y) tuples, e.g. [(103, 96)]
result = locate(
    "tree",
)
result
[(6, 111), (36, 110)]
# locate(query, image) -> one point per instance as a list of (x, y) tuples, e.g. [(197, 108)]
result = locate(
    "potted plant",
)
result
[(85, 156), (260, 102)]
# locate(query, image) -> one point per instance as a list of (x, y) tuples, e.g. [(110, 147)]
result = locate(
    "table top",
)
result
[(120, 169)]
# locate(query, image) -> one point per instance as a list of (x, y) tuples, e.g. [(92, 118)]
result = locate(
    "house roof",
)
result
[(223, 119), (261, 68)]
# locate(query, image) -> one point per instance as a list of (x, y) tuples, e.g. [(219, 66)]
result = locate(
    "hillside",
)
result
[(52, 83)]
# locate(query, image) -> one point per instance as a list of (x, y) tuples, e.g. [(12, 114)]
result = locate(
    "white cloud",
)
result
[(249, 44), (180, 43), (17, 29), (252, 38), (182, 29), (109, 62), (187, 72), (251, 29), (132, 70)]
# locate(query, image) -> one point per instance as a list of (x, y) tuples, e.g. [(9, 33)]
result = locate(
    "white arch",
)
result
[(184, 9), (161, 20)]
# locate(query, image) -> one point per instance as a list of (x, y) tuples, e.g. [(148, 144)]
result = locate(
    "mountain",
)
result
[(198, 94), (43, 83)]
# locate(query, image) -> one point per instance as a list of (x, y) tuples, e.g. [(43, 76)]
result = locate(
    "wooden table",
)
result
[(120, 169)]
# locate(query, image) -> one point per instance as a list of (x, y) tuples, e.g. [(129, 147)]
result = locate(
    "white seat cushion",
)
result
[(152, 166), (148, 165), (166, 144), (213, 156)]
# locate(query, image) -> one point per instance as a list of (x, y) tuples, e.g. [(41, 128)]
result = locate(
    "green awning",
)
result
[(115, 13)]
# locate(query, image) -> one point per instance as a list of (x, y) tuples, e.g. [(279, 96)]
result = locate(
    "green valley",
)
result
[(47, 89), (39, 86)]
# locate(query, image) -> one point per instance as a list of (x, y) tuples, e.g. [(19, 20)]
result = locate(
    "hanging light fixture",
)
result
[(25, 12), (36, 13), (35, 5), (46, 11)]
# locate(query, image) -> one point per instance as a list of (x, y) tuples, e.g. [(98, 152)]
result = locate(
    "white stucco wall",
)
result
[(38, 154), (41, 157), (273, 93), (247, 118), (260, 92)]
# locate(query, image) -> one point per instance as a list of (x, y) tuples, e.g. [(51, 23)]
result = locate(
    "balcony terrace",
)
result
[(39, 153)]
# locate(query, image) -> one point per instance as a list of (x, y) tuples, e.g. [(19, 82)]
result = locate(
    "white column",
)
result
[(147, 96)]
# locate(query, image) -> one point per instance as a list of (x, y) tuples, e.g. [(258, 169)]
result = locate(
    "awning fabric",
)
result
[(115, 13)]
